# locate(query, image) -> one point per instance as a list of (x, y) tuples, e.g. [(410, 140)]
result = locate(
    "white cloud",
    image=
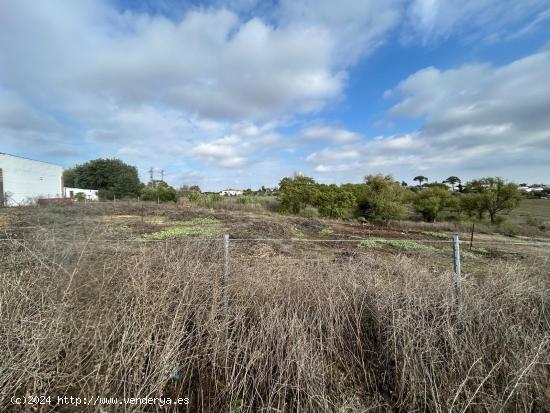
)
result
[(85, 77), (209, 63), (478, 119), (359, 27), (333, 155), (329, 133), (432, 20)]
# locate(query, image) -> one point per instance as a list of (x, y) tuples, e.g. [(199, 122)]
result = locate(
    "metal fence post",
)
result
[(225, 272), (457, 273)]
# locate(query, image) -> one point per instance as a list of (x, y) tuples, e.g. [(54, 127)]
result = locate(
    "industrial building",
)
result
[(23, 181)]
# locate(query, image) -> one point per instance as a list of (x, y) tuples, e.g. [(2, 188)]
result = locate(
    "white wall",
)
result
[(231, 192), (26, 180), (90, 194)]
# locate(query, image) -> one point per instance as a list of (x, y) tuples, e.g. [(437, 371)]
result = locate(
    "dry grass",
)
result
[(330, 335), (299, 336)]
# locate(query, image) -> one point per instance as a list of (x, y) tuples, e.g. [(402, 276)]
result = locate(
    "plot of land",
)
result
[(319, 315)]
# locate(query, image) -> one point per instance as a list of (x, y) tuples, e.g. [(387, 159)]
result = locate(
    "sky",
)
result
[(241, 93)]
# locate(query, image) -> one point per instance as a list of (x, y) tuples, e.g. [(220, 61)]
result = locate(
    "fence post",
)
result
[(225, 273), (472, 236), (457, 277)]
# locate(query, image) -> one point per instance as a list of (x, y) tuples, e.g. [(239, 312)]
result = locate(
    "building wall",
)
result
[(230, 192), (91, 194), (26, 180)]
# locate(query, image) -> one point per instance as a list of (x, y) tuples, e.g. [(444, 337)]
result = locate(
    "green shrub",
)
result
[(508, 228), (382, 198), (431, 201), (396, 243), (437, 234), (309, 212), (325, 231)]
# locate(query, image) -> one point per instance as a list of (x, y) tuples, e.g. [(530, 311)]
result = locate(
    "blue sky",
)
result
[(241, 93)]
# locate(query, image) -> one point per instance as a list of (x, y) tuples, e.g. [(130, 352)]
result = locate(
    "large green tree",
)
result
[(297, 192), (334, 201), (111, 177), (493, 195), (430, 202), (382, 198)]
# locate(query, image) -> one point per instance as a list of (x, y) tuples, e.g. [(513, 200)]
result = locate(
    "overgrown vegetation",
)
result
[(397, 243), (364, 333), (381, 198), (202, 226)]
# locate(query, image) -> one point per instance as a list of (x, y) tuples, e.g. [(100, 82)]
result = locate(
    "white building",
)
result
[(23, 181), (90, 194), (231, 192)]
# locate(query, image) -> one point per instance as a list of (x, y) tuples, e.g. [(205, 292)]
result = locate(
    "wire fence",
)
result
[(304, 240), (454, 242)]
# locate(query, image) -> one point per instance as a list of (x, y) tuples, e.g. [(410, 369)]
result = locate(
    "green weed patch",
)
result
[(437, 234), (396, 243), (196, 227)]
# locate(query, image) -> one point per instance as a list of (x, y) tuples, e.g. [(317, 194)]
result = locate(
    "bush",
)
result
[(508, 228), (161, 192), (309, 212), (296, 193), (382, 198), (431, 201)]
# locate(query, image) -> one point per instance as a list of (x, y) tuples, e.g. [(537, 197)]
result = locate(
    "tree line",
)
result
[(382, 198), (378, 198)]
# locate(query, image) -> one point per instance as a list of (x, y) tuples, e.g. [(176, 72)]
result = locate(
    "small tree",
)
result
[(420, 179), (494, 195), (431, 201), (470, 204), (453, 181), (382, 198), (161, 192)]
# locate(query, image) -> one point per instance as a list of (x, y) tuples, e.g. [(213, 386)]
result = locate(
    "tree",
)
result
[(470, 204), (453, 181), (431, 201), (296, 193), (160, 191), (382, 198), (494, 195), (334, 202), (68, 178), (420, 179), (111, 177), (187, 191)]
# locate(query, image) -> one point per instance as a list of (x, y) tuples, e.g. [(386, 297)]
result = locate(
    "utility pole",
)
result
[(162, 175), (151, 177)]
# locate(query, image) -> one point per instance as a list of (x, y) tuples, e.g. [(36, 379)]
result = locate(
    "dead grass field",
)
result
[(125, 300)]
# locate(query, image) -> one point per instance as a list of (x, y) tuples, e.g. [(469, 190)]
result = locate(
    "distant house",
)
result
[(89, 194), (231, 192), (533, 188), (24, 181)]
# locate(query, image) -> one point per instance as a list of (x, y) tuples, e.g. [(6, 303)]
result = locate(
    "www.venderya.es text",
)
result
[(98, 401)]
